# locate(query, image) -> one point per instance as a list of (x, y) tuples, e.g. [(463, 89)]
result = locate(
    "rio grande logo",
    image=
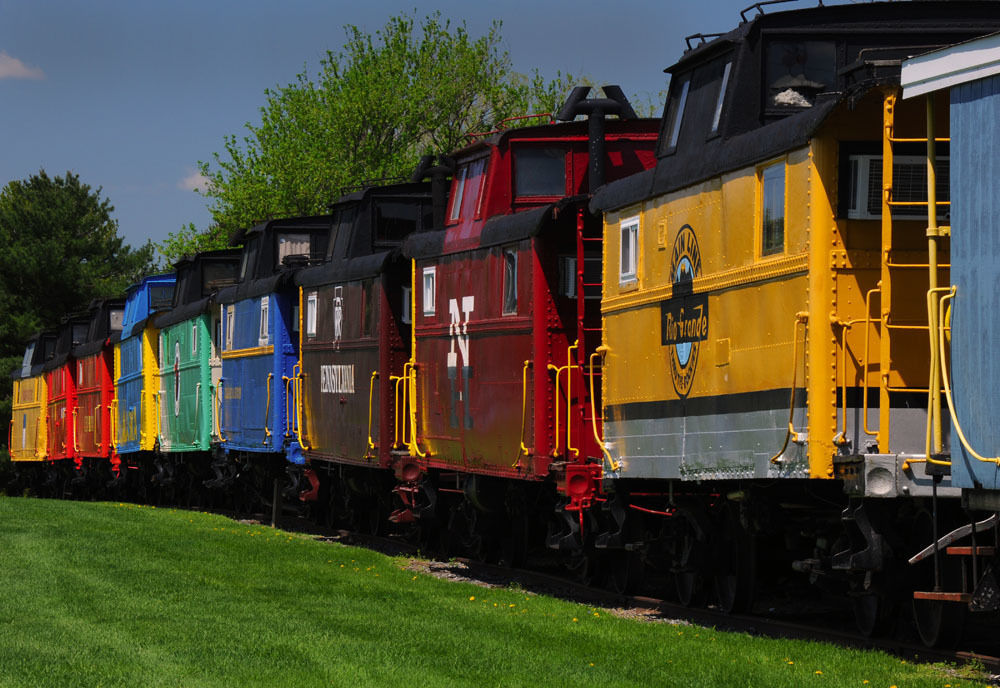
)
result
[(684, 316)]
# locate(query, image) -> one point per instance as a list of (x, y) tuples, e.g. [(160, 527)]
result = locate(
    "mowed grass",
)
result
[(113, 594)]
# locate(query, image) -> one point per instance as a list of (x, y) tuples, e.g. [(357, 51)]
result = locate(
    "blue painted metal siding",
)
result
[(975, 260), (128, 390), (253, 416)]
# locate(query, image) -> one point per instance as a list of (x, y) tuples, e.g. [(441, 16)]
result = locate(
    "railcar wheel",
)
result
[(735, 564), (939, 624), (872, 613), (690, 555), (625, 572)]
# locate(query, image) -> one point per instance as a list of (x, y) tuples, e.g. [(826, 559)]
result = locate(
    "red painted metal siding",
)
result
[(61, 405), (94, 392)]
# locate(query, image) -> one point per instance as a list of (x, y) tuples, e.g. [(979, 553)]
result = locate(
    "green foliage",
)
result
[(59, 248), (371, 111), (121, 595)]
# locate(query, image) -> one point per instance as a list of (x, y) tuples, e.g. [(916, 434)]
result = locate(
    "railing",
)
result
[(612, 464), (220, 399), (371, 396), (267, 410), (791, 435), (568, 369)]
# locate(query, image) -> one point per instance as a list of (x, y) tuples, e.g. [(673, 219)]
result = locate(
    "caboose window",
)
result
[(459, 189), (773, 209), (540, 172), (79, 334), (293, 245), (115, 319), (368, 294), (721, 97), (407, 305), (627, 273), (216, 275), (394, 220), (429, 292), (311, 302), (230, 326), (675, 113), (264, 307), (194, 338), (510, 281), (161, 296), (797, 71), (29, 355)]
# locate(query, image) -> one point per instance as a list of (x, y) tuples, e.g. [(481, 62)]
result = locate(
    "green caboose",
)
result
[(189, 365)]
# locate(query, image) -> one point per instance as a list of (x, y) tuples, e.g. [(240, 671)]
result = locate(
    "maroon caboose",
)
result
[(506, 317)]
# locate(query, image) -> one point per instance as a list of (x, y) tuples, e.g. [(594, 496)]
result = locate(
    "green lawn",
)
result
[(116, 594)]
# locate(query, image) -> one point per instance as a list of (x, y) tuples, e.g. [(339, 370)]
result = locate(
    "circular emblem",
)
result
[(684, 316)]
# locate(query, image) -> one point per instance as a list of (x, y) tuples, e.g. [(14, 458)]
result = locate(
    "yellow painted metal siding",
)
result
[(28, 435)]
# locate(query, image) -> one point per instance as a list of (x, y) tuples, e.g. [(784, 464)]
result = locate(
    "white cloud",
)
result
[(195, 181), (13, 68)]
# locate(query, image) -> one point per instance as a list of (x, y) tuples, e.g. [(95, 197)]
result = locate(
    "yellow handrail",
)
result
[(396, 380), (841, 437), (371, 396), (569, 399), (298, 404), (221, 405), (525, 451), (99, 445), (288, 400), (800, 317), (558, 369), (411, 400), (76, 428), (159, 411), (10, 439), (197, 407), (935, 371), (267, 410), (113, 422), (612, 464), (864, 370), (947, 385)]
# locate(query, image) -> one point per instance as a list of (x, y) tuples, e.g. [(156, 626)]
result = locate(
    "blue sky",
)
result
[(130, 95)]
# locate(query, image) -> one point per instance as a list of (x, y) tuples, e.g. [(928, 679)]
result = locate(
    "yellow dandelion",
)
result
[(596, 614), (790, 662), (414, 578), (472, 598), (511, 605), (591, 664), (818, 672), (494, 604), (575, 619)]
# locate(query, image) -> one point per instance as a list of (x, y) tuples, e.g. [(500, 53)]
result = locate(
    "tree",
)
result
[(59, 248), (372, 110)]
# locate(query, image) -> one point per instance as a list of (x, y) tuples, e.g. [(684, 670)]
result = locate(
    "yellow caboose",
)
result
[(767, 366)]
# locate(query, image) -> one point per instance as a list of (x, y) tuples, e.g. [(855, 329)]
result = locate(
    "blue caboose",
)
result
[(260, 324), (135, 416)]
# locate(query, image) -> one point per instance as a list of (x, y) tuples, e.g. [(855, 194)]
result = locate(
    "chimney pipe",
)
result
[(596, 109)]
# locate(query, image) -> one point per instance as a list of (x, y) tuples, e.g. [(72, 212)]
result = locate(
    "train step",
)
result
[(966, 551), (963, 597)]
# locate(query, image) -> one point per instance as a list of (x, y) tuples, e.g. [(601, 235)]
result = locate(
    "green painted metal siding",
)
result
[(186, 389)]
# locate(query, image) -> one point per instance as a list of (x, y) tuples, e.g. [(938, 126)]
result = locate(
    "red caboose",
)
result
[(506, 317), (60, 379), (96, 457)]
